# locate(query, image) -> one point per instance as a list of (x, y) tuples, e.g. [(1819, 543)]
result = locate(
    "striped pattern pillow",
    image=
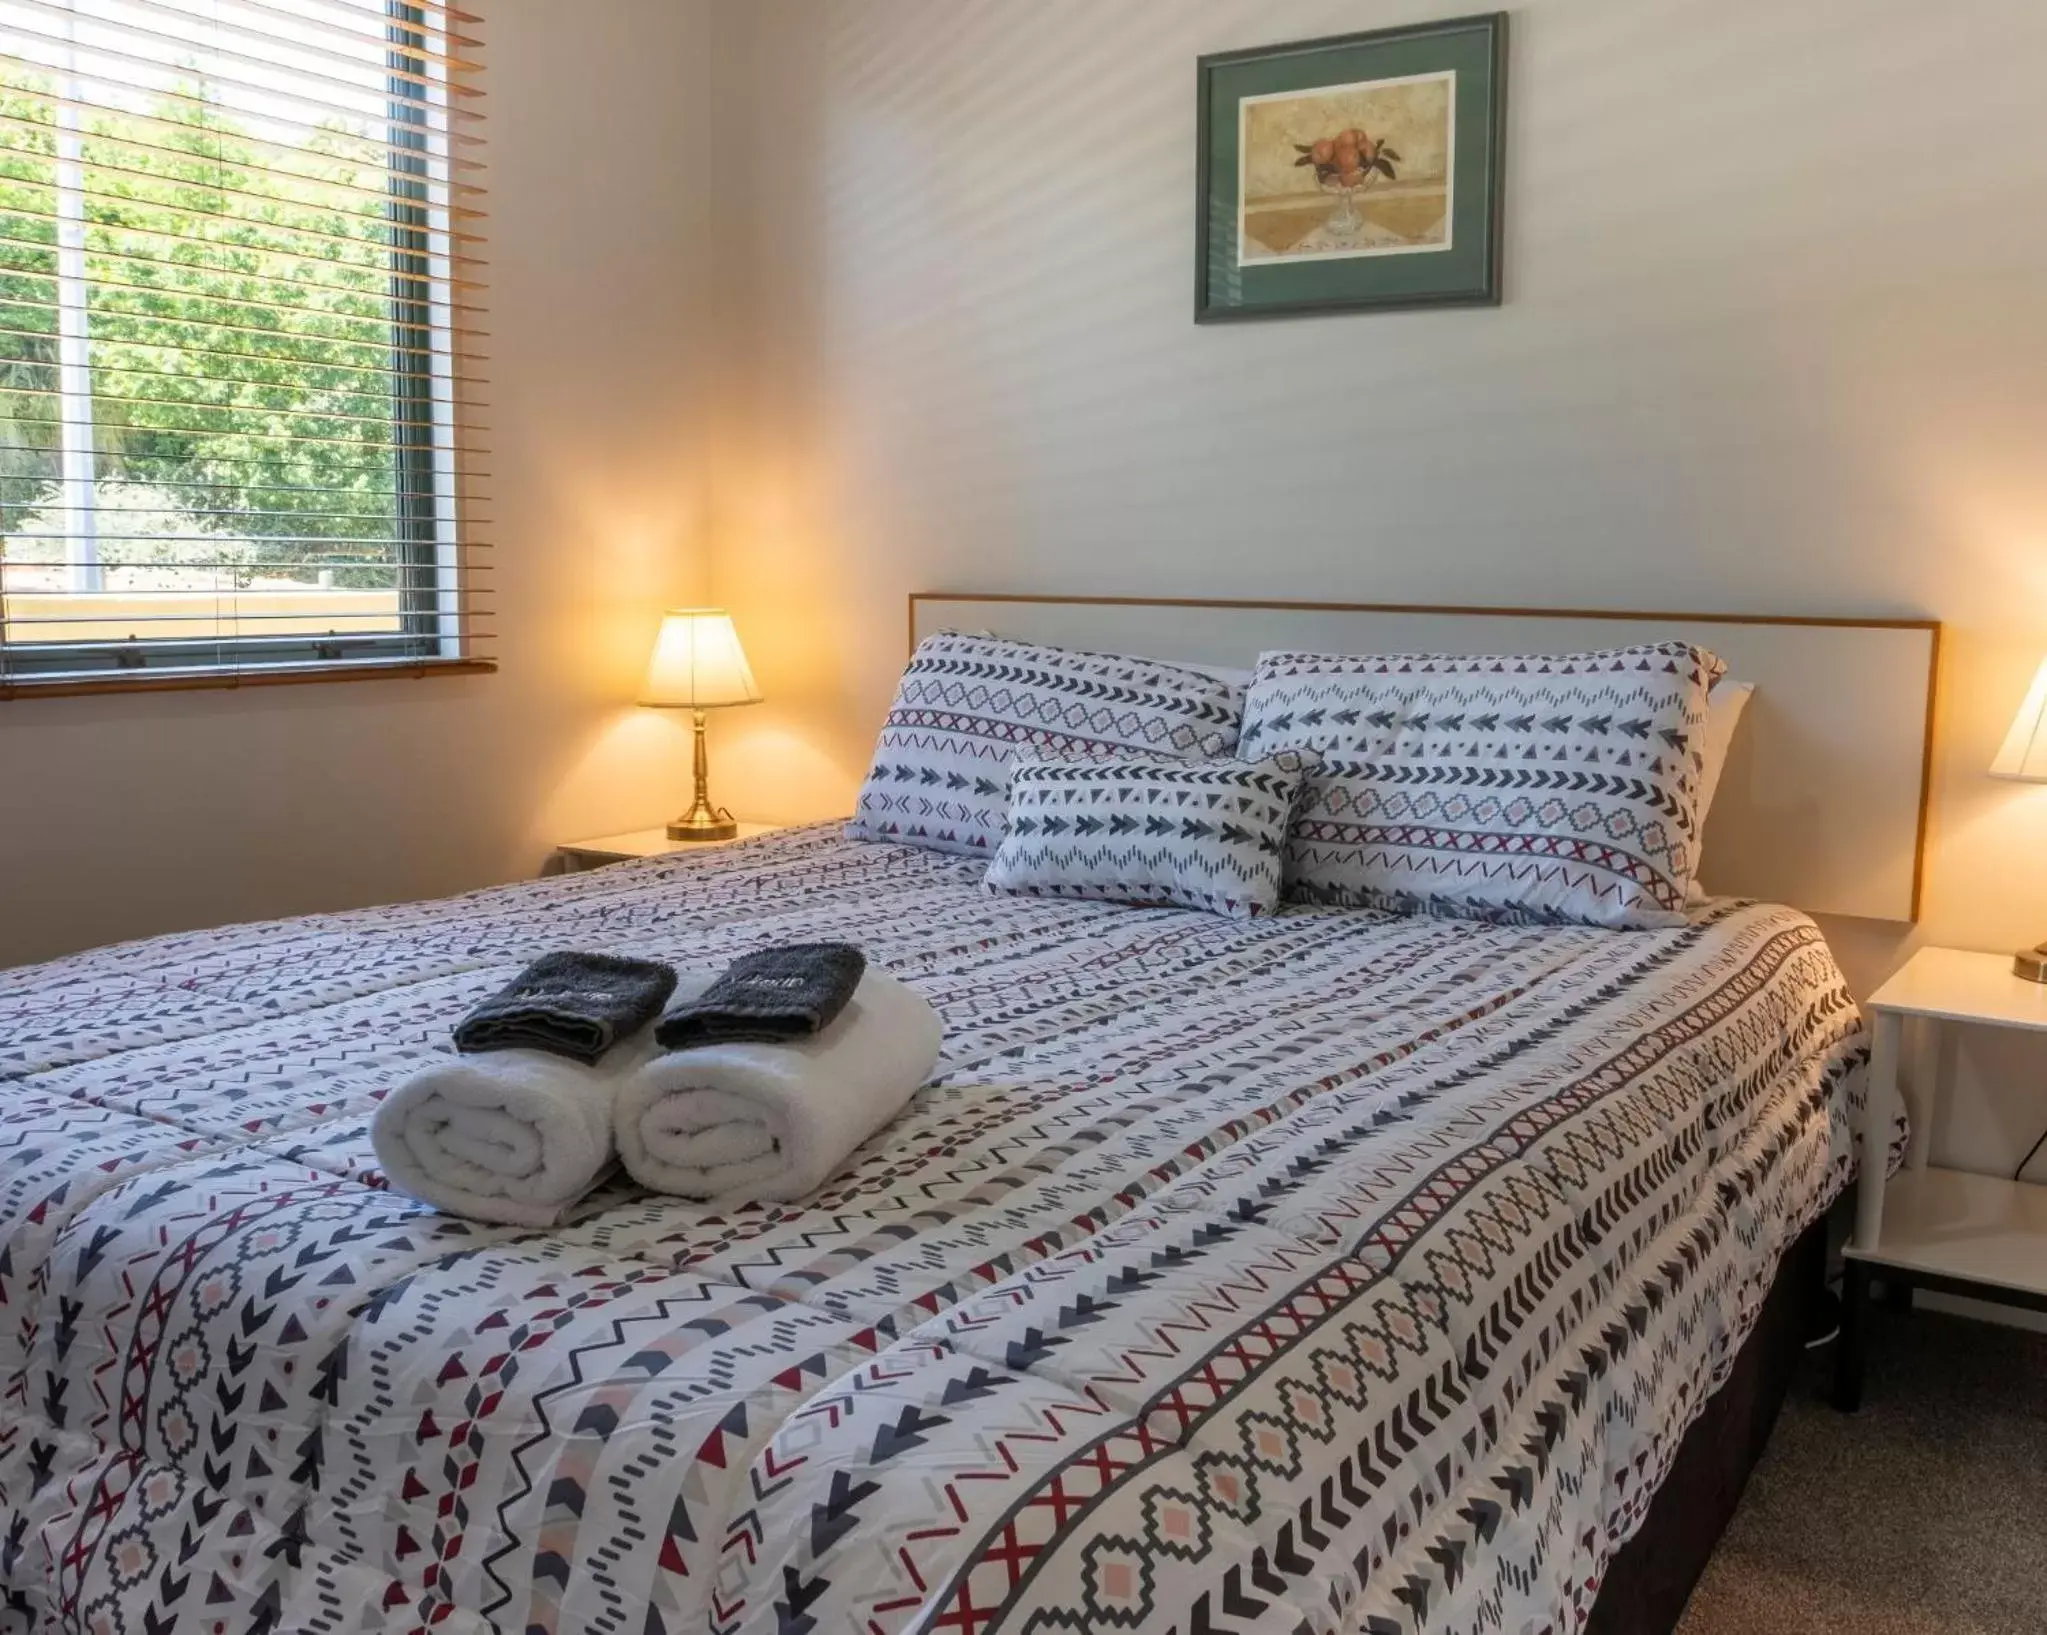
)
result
[(1538, 789), (970, 705), (1141, 829)]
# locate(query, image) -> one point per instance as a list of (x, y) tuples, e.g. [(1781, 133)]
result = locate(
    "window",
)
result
[(234, 295)]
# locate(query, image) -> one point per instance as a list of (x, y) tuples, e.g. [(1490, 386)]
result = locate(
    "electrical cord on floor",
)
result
[(2019, 1174), (1823, 1323)]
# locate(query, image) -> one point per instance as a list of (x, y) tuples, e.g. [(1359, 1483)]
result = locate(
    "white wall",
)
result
[(121, 816), (1775, 340), (807, 304)]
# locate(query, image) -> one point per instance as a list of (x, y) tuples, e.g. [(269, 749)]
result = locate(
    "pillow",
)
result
[(968, 705), (1724, 707), (1223, 672), (1150, 829), (1528, 789)]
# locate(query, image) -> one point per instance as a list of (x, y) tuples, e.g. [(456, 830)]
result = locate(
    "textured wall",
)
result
[(1775, 340), (123, 816), (912, 279)]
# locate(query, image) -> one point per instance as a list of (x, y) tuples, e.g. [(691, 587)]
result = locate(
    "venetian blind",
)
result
[(238, 306)]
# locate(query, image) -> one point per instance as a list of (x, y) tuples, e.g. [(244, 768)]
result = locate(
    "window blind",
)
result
[(238, 318)]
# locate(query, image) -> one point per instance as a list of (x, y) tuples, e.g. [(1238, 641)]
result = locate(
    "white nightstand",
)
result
[(578, 856), (1977, 1235)]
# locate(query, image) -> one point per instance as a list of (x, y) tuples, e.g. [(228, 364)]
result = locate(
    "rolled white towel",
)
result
[(744, 1121), (513, 1136)]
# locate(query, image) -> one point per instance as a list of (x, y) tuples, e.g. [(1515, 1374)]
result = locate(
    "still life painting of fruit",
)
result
[(1347, 170)]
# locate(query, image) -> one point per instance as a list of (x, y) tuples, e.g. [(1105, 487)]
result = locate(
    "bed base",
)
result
[(1651, 1577)]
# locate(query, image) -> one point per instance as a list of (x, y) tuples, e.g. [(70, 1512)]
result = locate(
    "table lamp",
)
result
[(2024, 758), (698, 665)]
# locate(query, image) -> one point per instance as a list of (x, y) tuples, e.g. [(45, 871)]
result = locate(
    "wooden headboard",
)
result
[(1823, 804)]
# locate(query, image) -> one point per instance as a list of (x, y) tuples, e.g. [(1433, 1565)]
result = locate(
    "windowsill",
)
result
[(212, 681)]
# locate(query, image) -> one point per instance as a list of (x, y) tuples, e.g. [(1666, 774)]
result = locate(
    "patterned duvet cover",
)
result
[(1327, 1272)]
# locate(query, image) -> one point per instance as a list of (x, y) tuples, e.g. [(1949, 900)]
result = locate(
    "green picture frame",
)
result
[(1359, 172)]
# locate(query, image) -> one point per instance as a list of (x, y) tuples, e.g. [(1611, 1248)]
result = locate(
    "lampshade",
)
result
[(698, 663), (2024, 755)]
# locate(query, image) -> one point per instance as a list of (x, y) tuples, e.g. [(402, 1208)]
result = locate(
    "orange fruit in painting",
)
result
[(1323, 151), (1366, 146), (1350, 178), (1345, 156)]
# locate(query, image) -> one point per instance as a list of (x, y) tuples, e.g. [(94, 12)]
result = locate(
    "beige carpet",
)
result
[(1925, 1514)]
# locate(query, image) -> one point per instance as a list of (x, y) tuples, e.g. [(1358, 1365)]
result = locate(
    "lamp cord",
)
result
[(2019, 1174)]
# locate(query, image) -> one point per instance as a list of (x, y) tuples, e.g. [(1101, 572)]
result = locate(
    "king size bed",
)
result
[(1327, 1270)]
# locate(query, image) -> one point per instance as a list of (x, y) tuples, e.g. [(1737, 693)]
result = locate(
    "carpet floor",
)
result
[(1925, 1514)]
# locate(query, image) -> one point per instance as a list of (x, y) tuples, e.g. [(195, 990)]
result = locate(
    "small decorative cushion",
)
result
[(969, 705), (1149, 829), (1528, 789)]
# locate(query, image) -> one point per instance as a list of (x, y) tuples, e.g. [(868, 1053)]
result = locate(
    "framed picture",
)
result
[(1360, 171)]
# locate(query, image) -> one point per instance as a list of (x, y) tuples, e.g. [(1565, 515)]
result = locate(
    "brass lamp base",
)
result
[(2031, 963), (717, 825), (703, 821)]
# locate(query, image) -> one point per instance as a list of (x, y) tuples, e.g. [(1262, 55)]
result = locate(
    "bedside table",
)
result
[(580, 856), (1976, 1235)]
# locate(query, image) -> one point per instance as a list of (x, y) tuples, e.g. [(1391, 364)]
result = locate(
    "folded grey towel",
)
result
[(567, 1004), (770, 997)]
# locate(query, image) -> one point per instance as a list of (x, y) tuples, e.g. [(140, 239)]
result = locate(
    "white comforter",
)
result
[(1323, 1272)]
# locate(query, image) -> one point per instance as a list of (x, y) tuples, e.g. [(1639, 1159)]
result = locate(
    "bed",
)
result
[(1333, 1271)]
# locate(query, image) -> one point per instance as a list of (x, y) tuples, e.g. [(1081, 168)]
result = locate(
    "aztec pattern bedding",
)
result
[(1321, 1272)]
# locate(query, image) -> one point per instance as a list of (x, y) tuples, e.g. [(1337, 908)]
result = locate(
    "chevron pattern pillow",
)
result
[(969, 705), (1527, 789), (1146, 829)]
